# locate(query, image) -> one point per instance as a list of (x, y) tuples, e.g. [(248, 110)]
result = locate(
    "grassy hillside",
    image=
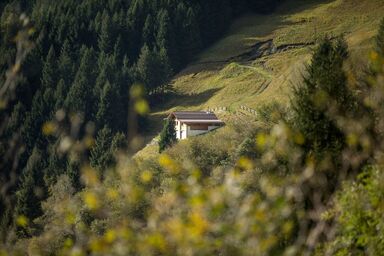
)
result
[(262, 56)]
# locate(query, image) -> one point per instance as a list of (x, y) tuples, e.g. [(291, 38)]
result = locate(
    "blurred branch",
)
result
[(24, 45)]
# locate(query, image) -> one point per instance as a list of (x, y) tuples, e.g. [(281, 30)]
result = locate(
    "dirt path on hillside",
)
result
[(256, 51)]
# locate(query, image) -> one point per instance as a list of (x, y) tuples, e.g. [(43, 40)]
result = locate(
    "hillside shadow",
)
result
[(197, 67), (301, 5), (267, 25), (183, 100)]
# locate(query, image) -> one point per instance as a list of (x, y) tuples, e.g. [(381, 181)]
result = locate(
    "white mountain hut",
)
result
[(193, 123)]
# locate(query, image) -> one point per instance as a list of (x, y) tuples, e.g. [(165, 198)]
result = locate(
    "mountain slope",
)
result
[(262, 56)]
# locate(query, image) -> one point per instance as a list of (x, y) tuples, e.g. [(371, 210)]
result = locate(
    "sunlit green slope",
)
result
[(262, 56)]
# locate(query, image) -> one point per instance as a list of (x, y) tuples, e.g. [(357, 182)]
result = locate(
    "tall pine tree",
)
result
[(107, 111), (166, 38), (31, 191), (80, 97), (105, 41), (167, 135), (65, 63), (324, 97), (101, 155), (49, 75)]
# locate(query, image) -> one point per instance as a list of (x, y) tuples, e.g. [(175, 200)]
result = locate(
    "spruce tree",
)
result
[(167, 135), (49, 75), (56, 165), (103, 75), (192, 41), (118, 51), (119, 142), (166, 38), (106, 113), (80, 98), (105, 41), (16, 119), (101, 155), (31, 129), (147, 66), (148, 31), (65, 63), (31, 191), (73, 172), (49, 102), (324, 96), (60, 94)]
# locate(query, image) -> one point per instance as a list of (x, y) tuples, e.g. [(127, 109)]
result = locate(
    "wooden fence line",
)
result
[(242, 107), (215, 109), (249, 110)]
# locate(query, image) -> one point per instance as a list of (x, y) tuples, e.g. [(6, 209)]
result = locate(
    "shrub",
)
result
[(359, 215)]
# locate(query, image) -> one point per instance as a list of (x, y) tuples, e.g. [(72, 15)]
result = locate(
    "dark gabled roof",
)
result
[(195, 115)]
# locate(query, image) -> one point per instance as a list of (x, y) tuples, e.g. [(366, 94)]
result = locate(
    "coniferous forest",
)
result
[(78, 80), (84, 62)]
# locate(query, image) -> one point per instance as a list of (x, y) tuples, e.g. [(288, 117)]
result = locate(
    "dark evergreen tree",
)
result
[(16, 119), (321, 99), (164, 67), (107, 111), (31, 191), (167, 135), (119, 142), (73, 172), (118, 51), (147, 66), (148, 31), (103, 76), (49, 102), (56, 165), (65, 63), (80, 97), (105, 41), (192, 40), (60, 94), (165, 38), (101, 155), (136, 15), (31, 129), (49, 75)]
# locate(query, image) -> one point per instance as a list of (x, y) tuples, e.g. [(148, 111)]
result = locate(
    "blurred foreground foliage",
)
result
[(283, 187)]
